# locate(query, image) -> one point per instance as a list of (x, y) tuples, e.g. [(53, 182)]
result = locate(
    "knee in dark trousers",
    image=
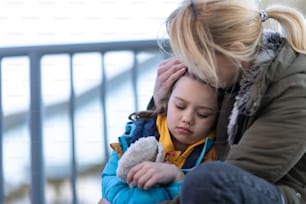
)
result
[(222, 183)]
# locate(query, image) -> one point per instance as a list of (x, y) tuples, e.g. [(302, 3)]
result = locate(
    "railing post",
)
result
[(37, 160), (72, 128), (2, 194), (103, 89), (135, 80)]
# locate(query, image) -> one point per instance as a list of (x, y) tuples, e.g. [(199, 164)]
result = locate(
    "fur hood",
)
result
[(254, 82)]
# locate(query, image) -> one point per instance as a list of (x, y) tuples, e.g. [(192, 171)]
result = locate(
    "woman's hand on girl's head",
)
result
[(147, 174), (169, 71)]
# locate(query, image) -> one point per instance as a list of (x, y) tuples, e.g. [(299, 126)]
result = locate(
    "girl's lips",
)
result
[(184, 130)]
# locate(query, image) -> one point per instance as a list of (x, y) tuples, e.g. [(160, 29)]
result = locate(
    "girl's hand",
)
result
[(168, 72), (147, 174), (103, 201)]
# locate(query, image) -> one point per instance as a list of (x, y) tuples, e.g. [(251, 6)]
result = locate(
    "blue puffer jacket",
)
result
[(118, 192)]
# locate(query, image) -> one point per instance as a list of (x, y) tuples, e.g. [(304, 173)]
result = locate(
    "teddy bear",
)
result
[(144, 149)]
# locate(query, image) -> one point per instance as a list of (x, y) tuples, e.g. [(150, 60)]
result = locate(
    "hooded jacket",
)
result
[(262, 122), (119, 192)]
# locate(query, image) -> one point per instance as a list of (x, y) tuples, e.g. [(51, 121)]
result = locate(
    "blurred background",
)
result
[(96, 63)]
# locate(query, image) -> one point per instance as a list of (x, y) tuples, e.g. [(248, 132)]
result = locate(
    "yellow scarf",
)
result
[(173, 156)]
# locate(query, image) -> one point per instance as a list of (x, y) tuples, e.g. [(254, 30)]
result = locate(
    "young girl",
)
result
[(184, 125)]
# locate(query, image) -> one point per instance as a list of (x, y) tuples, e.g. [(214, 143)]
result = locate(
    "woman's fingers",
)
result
[(168, 72), (170, 67)]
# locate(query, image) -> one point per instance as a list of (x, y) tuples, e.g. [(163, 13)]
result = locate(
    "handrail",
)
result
[(35, 54), (139, 45)]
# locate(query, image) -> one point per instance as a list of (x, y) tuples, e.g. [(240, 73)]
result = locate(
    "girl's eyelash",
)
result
[(179, 107), (203, 116)]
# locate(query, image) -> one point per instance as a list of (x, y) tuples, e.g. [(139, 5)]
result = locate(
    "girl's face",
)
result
[(192, 110)]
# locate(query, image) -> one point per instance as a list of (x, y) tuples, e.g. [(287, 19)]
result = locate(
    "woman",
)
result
[(261, 131)]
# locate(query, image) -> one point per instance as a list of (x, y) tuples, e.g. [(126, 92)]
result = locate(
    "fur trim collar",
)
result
[(253, 84)]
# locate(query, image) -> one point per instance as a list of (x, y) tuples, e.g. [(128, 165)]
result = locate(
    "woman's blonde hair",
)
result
[(200, 29)]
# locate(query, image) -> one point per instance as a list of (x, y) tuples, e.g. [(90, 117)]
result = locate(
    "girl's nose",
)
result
[(187, 117)]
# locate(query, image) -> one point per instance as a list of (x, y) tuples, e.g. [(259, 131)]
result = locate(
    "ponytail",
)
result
[(293, 25)]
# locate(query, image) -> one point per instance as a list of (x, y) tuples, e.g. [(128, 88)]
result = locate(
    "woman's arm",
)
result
[(276, 140)]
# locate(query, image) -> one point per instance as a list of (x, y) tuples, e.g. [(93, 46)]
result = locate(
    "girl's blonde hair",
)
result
[(200, 29)]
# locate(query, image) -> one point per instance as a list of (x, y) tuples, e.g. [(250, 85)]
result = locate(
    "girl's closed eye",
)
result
[(203, 115), (180, 106)]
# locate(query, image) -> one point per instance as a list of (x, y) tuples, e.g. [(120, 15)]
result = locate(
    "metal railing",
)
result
[(35, 123)]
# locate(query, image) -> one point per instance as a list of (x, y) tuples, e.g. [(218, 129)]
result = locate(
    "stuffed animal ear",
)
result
[(160, 157), (144, 149)]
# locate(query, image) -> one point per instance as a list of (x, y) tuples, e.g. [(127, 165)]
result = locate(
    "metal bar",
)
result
[(1, 141), (37, 160), (72, 125), (103, 105), (134, 80), (139, 45)]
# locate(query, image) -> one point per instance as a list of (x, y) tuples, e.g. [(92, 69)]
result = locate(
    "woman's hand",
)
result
[(147, 174), (168, 72)]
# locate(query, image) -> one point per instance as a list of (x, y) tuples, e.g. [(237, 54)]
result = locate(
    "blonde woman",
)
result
[(261, 128)]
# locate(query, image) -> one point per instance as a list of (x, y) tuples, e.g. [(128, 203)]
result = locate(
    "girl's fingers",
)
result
[(132, 172)]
